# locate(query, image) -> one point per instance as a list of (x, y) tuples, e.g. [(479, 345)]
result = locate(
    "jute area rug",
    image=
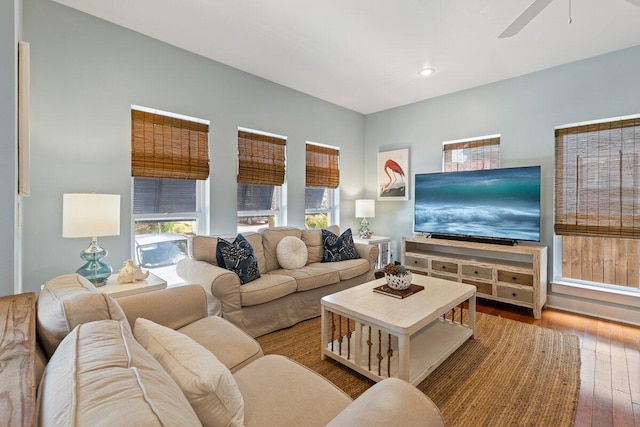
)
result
[(512, 374)]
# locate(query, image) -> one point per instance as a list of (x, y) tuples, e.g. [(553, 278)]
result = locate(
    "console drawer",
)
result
[(478, 272), (481, 287), (514, 277), (523, 295), (413, 261), (449, 267)]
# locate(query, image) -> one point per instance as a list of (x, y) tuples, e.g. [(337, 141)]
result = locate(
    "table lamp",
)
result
[(365, 208), (92, 215)]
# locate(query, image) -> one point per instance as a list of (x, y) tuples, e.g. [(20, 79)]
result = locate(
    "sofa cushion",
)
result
[(312, 276), (291, 253), (348, 269), (203, 248), (313, 240), (204, 380), (290, 394), (100, 376), (267, 288), (238, 257), (338, 248), (270, 238), (230, 344), (67, 301)]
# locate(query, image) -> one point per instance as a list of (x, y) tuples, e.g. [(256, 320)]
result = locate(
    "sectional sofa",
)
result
[(157, 359)]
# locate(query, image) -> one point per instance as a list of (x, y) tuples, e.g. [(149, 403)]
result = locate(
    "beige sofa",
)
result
[(109, 366), (280, 297)]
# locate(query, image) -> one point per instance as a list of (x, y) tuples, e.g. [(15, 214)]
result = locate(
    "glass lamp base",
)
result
[(96, 271), (364, 231)]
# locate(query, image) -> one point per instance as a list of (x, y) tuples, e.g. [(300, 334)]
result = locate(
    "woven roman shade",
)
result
[(323, 166), (168, 147), (597, 179), (261, 159), (482, 153)]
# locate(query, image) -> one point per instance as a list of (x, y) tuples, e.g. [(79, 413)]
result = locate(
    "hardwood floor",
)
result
[(610, 363)]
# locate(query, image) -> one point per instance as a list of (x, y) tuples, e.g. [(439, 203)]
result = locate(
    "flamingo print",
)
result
[(395, 169)]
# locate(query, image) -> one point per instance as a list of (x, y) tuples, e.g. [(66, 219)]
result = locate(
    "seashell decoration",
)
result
[(131, 273)]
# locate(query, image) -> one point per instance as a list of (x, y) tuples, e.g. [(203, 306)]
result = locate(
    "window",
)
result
[(261, 172), (597, 201), (170, 169), (322, 180), (471, 154)]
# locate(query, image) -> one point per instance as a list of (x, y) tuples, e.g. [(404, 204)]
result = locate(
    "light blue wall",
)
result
[(523, 110), (10, 28), (86, 73)]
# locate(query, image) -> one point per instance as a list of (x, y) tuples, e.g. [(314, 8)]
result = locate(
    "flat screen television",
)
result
[(492, 205)]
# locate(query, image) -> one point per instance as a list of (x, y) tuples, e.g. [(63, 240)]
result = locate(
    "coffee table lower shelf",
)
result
[(429, 347)]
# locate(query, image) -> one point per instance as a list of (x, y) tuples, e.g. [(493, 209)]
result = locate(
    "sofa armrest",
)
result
[(368, 252), (172, 307), (216, 281), (391, 402)]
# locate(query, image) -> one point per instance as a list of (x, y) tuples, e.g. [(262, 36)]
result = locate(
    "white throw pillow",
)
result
[(291, 253), (205, 381)]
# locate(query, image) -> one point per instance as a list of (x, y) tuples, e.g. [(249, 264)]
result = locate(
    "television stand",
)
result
[(512, 274), (464, 238)]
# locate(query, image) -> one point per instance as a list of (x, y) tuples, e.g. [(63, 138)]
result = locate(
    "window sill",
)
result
[(581, 290)]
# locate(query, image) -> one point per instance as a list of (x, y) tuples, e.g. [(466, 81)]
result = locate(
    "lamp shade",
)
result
[(365, 208), (90, 215)]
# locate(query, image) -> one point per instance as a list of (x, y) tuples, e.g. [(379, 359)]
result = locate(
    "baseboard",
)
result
[(591, 308)]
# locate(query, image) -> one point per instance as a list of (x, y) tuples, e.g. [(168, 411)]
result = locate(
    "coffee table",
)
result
[(381, 336)]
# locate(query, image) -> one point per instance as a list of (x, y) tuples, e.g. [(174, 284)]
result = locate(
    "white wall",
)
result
[(10, 28), (523, 110), (85, 75)]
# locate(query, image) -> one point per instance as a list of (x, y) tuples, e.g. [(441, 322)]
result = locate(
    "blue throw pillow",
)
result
[(338, 248), (238, 257)]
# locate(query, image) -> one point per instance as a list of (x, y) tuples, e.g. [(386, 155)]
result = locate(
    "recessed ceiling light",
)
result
[(424, 72)]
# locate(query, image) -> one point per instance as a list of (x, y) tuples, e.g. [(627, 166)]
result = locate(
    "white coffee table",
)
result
[(405, 338)]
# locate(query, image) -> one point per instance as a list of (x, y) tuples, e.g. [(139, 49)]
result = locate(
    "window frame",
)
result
[(473, 144), (279, 191), (623, 295), (333, 194)]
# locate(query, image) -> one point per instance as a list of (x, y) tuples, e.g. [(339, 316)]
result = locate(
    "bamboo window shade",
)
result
[(597, 179), (168, 147), (482, 153), (261, 159), (322, 166)]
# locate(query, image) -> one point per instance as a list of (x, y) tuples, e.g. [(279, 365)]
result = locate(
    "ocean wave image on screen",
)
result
[(503, 203)]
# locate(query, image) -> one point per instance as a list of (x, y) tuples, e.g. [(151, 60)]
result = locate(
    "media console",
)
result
[(511, 274)]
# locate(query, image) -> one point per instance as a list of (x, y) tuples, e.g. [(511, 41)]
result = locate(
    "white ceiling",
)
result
[(364, 54)]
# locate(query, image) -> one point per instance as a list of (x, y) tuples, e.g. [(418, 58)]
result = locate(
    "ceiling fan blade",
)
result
[(531, 12), (634, 2)]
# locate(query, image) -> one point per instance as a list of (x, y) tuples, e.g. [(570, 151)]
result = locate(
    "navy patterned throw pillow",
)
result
[(338, 248), (238, 257)]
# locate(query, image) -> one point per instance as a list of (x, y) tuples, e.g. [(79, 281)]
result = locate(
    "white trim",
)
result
[(593, 122), (477, 138), (594, 309), (169, 114), (323, 145), (259, 132), (623, 297)]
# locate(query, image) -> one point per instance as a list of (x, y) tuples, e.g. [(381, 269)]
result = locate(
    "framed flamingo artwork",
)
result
[(393, 175)]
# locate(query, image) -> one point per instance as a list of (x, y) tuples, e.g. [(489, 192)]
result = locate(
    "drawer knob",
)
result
[(514, 278), (513, 294), (415, 261), (475, 272), (444, 267)]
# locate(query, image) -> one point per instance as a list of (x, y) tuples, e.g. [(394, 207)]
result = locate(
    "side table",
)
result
[(383, 244), (116, 289)]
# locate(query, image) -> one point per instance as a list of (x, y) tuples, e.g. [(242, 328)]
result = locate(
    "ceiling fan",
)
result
[(532, 11)]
